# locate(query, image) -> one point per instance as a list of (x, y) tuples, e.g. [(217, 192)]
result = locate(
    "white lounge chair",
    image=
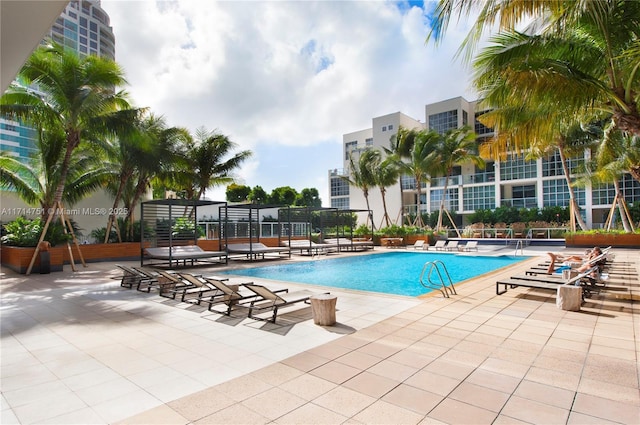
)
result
[(420, 244), (470, 246), (451, 246), (440, 245)]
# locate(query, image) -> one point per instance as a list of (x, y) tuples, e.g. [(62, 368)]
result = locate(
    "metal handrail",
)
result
[(434, 266)]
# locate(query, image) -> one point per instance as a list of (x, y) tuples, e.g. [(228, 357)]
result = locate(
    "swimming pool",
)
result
[(391, 273)]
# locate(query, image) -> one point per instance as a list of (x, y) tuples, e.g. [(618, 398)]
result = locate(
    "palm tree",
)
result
[(75, 94), (131, 152), (385, 175), (455, 147), (161, 156), (36, 181), (361, 174), (611, 162), (401, 145), (420, 163), (582, 59), (210, 162)]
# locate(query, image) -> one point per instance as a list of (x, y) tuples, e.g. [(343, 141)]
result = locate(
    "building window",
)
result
[(339, 187), (340, 203), (444, 121), (384, 128), (479, 198), (390, 127), (368, 142), (555, 193), (451, 201), (604, 194), (516, 167), (480, 128), (552, 166), (350, 147)]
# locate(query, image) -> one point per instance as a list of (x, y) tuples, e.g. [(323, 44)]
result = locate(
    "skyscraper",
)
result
[(82, 27)]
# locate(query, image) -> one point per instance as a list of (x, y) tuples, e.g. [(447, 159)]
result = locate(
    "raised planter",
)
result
[(18, 258), (616, 240)]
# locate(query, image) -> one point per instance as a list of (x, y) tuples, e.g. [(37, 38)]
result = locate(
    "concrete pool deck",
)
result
[(78, 348)]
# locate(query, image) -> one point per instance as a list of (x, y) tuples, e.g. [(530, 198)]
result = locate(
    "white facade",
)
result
[(513, 182)]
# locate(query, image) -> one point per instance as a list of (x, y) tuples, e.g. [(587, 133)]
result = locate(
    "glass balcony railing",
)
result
[(439, 181), (520, 202), (479, 178)]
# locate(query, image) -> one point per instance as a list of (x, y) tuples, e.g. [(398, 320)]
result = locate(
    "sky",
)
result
[(284, 79)]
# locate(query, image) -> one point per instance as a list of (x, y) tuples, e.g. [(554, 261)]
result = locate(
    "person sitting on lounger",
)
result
[(584, 261)]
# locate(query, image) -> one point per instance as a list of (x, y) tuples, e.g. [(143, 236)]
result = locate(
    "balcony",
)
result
[(439, 181), (519, 202), (479, 178)]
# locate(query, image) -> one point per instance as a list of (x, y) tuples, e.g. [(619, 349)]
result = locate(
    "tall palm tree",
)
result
[(210, 162), (455, 147), (401, 144), (158, 163), (420, 163), (361, 174), (75, 94), (386, 174), (611, 162), (129, 154)]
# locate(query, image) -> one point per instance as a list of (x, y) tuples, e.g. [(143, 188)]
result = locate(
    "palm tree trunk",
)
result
[(369, 215), (112, 217), (419, 222), (622, 209), (442, 201), (572, 196), (386, 217)]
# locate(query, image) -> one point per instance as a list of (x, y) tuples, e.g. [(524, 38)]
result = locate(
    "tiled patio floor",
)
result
[(77, 348)]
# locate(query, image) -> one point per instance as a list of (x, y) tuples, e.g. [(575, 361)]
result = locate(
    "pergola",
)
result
[(171, 223)]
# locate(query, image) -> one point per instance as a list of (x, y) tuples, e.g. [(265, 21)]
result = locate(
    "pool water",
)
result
[(391, 273)]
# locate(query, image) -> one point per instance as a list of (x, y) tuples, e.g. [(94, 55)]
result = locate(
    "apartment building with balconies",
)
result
[(515, 181)]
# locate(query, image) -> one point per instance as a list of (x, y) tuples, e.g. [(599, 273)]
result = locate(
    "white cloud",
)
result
[(282, 73)]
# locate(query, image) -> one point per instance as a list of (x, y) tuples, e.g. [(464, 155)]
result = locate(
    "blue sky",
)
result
[(285, 79)]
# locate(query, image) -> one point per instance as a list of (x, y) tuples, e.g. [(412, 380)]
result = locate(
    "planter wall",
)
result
[(18, 259), (628, 240)]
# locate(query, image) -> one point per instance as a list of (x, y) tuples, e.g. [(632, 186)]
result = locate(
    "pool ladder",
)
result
[(432, 268)]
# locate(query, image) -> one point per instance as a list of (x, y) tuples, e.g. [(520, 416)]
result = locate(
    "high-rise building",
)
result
[(515, 181), (82, 27)]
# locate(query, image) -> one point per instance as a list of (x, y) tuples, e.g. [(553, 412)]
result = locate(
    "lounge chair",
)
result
[(440, 245), (421, 244), (132, 277), (271, 301), (196, 286), (253, 250), (470, 246), (169, 284), (230, 295), (451, 246), (540, 282)]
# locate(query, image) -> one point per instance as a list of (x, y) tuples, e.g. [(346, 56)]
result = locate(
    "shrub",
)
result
[(26, 233)]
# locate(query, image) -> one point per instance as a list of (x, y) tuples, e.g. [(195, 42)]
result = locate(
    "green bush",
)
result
[(26, 233)]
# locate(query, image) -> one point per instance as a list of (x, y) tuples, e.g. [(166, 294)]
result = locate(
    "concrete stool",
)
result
[(323, 309), (569, 297)]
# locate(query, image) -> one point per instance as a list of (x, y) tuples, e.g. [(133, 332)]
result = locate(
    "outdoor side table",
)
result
[(323, 309)]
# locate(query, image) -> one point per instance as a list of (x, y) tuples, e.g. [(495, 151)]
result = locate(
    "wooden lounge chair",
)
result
[(271, 301)]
